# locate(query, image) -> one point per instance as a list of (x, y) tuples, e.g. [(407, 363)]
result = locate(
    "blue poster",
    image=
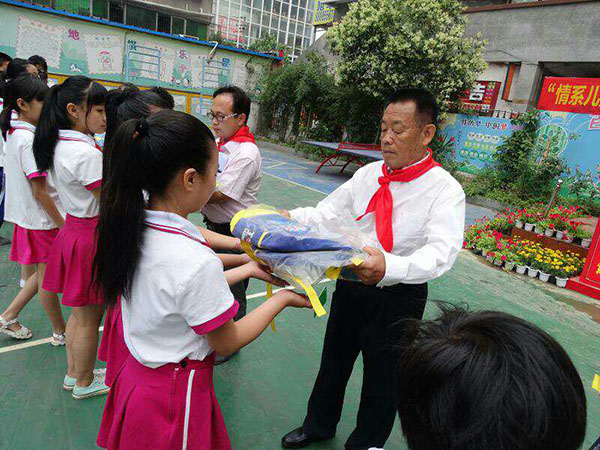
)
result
[(475, 138), (573, 137)]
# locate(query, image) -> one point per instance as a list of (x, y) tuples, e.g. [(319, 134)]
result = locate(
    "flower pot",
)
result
[(521, 270), (490, 258), (544, 276), (532, 273), (561, 282), (498, 262), (549, 232), (586, 243), (559, 235), (577, 241), (529, 227), (509, 266), (476, 251), (484, 253), (519, 224), (538, 229), (568, 240)]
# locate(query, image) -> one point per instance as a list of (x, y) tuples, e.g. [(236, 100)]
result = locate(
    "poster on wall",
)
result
[(38, 38), (576, 95), (167, 60), (324, 14), (211, 73), (104, 53), (482, 97), (475, 138), (231, 28), (573, 137), (182, 75), (200, 107)]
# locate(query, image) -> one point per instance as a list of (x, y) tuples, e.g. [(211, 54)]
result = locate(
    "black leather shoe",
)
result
[(298, 439)]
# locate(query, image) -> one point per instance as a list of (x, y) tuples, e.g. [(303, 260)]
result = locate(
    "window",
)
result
[(100, 9), (266, 19), (73, 6), (276, 7), (140, 17), (164, 23), (294, 12), (301, 14), (177, 25), (284, 9), (290, 41), (196, 29), (247, 3), (299, 42), (283, 25), (47, 3), (256, 17), (268, 4), (257, 4), (115, 12), (281, 36)]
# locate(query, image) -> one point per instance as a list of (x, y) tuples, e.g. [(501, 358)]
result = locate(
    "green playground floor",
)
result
[(264, 390)]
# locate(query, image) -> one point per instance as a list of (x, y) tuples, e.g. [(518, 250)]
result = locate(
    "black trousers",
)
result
[(239, 289), (370, 320)]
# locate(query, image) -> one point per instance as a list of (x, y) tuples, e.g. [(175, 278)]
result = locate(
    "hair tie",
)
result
[(142, 128)]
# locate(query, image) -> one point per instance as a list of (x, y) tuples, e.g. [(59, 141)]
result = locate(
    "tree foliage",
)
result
[(268, 43), (388, 44)]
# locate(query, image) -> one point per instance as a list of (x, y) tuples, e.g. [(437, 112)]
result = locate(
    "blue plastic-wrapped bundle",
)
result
[(296, 253)]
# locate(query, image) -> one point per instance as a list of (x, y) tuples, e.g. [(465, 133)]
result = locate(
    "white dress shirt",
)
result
[(428, 221), (240, 166)]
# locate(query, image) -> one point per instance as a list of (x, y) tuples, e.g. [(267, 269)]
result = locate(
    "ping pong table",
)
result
[(347, 153)]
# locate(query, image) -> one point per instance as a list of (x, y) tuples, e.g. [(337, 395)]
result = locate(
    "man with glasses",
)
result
[(240, 168)]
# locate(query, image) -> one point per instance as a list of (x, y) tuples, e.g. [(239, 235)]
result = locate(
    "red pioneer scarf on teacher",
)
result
[(242, 135), (382, 202)]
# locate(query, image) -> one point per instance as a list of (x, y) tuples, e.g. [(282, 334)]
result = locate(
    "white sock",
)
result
[(22, 283)]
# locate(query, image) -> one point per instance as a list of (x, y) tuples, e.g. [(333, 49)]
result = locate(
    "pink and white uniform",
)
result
[(163, 396), (34, 230), (76, 172)]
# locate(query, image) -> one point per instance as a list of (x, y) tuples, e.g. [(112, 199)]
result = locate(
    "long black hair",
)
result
[(126, 104), (16, 68), (144, 155), (26, 87), (78, 90)]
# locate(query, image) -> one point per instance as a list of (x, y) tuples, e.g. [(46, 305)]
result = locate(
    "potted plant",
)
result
[(529, 226), (562, 275), (584, 235), (539, 228), (485, 242), (567, 238), (521, 262), (545, 269), (534, 266), (509, 258)]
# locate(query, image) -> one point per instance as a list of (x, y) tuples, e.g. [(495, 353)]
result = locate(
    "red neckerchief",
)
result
[(382, 202), (242, 135)]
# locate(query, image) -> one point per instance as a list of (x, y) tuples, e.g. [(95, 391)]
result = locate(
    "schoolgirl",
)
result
[(64, 146), (176, 304), (31, 204)]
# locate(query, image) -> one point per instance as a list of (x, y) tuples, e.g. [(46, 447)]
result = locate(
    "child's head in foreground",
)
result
[(488, 381)]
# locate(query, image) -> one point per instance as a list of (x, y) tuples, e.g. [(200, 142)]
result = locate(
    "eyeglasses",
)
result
[(219, 118)]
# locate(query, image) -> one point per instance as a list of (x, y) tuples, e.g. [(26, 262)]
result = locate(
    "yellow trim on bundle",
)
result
[(269, 295), (596, 382), (251, 212), (261, 238), (313, 297)]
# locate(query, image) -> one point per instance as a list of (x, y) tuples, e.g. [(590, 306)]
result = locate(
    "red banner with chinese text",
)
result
[(482, 97), (577, 95)]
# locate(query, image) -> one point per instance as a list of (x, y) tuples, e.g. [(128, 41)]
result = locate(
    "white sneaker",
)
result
[(69, 382), (96, 388), (58, 339)]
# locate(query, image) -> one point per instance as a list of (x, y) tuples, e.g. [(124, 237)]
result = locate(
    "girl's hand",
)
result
[(237, 245), (291, 298), (260, 273)]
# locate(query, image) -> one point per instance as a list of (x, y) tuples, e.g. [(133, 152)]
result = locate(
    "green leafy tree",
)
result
[(388, 44)]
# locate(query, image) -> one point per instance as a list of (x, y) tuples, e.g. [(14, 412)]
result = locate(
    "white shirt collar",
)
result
[(390, 170), (72, 135), (20, 124), (174, 224)]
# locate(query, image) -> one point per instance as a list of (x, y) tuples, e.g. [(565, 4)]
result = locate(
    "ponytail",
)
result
[(26, 87), (121, 212), (15, 68), (144, 155), (77, 90)]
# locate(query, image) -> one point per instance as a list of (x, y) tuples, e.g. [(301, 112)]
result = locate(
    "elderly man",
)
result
[(415, 211)]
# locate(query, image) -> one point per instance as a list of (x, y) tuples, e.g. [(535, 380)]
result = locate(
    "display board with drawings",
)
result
[(78, 47)]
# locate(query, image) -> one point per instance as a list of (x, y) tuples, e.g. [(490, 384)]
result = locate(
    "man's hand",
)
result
[(372, 270)]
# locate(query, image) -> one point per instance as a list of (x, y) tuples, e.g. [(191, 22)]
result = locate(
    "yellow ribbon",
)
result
[(313, 297), (596, 382), (269, 295)]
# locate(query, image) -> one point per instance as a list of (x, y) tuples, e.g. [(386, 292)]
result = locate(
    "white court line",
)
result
[(37, 342), (297, 184), (276, 165)]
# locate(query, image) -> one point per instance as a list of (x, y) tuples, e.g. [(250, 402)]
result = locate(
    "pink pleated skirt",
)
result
[(69, 269), (172, 407), (31, 246), (113, 349)]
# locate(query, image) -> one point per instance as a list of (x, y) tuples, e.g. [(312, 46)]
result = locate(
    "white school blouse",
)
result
[(21, 206), (240, 166), (428, 221), (179, 294), (76, 171)]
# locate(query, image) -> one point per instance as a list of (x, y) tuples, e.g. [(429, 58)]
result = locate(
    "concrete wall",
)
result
[(193, 6)]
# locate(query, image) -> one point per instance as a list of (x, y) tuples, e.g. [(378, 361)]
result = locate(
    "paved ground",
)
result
[(263, 391)]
